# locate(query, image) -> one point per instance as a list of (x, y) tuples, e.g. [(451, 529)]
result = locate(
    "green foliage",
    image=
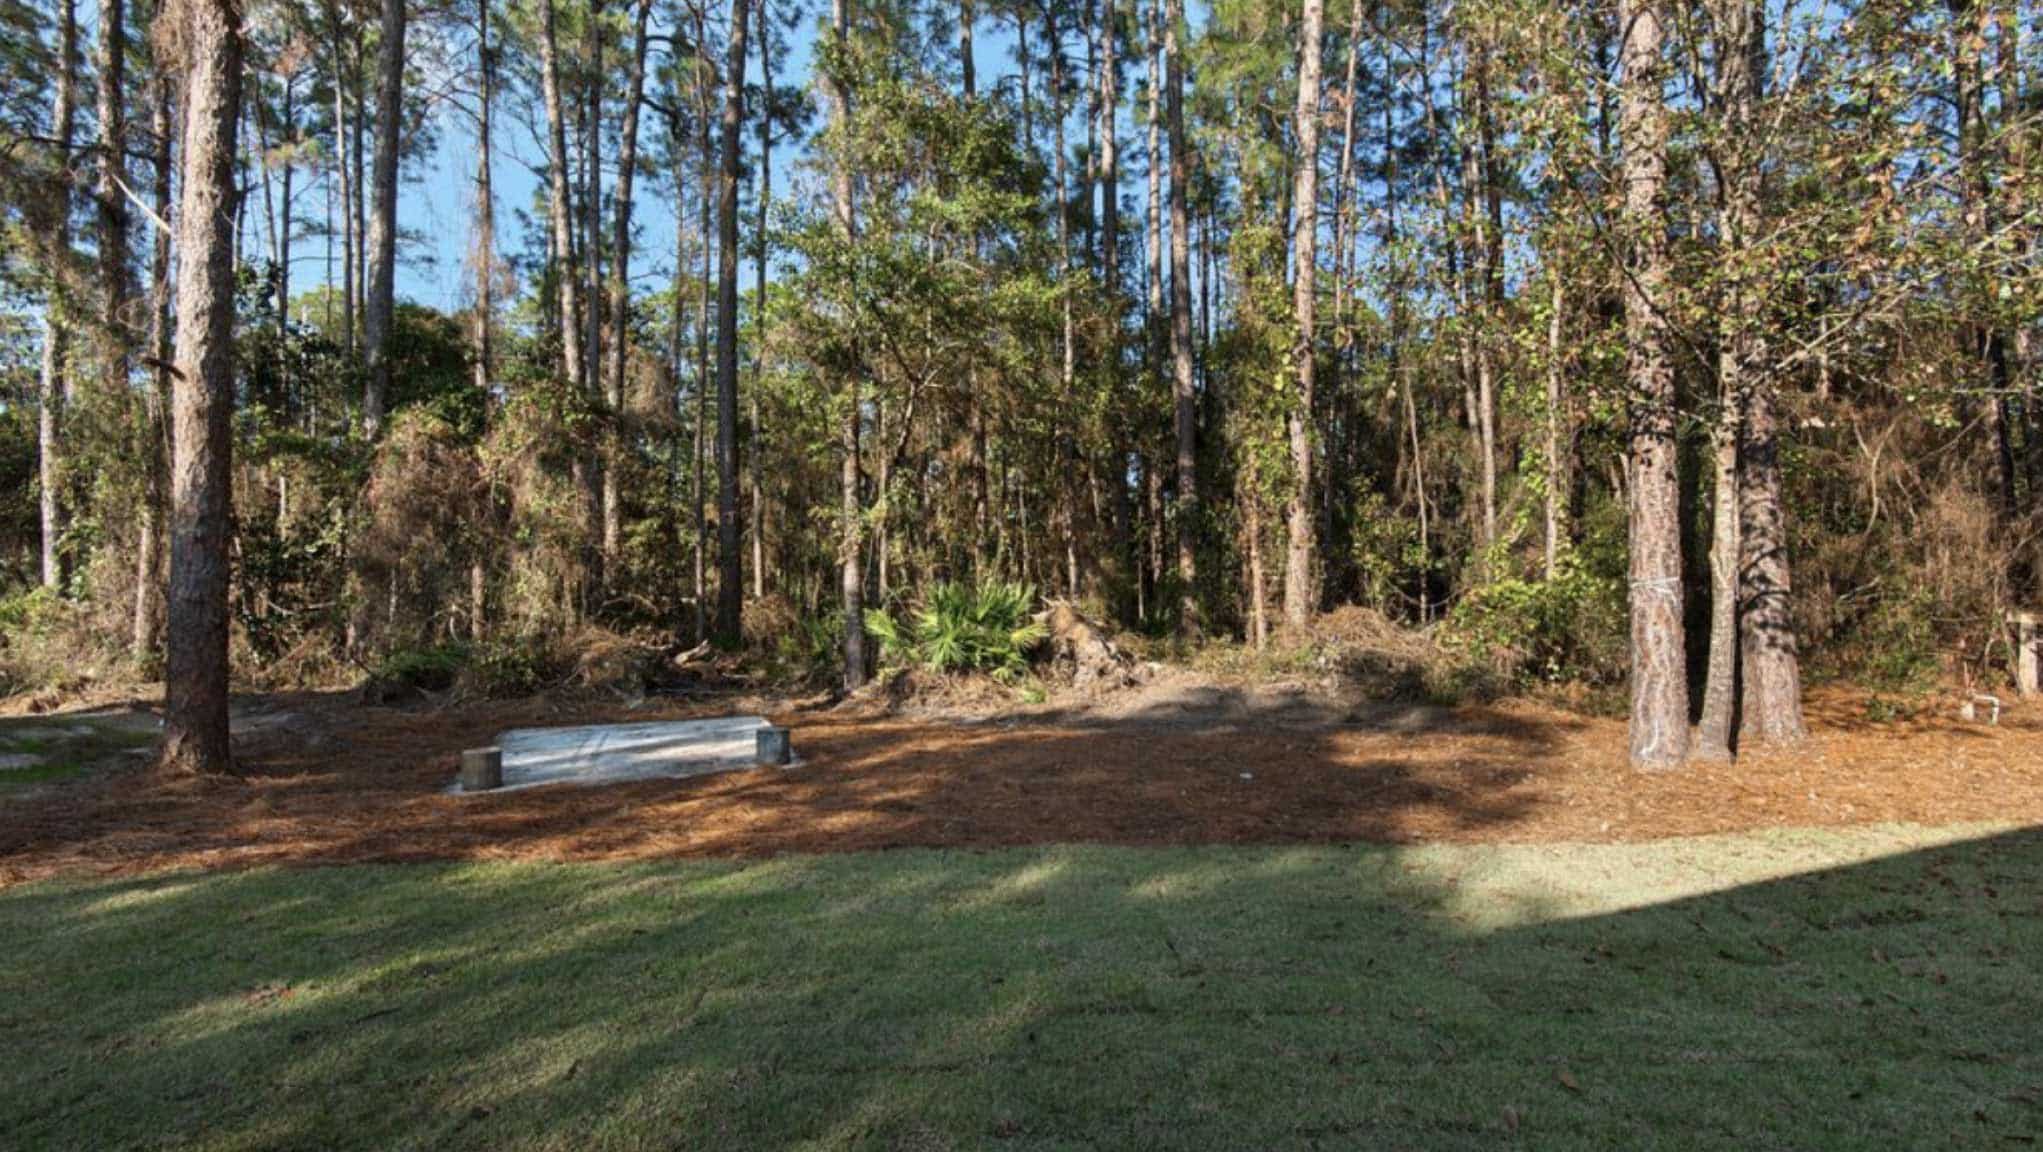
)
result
[(515, 667), (428, 669), (1570, 626), (987, 628), (1896, 648), (811, 648)]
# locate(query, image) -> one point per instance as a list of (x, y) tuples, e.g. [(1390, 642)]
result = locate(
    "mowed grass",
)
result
[(1874, 988)]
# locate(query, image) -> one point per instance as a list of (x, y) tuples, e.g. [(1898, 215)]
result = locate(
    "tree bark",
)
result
[(620, 293), (113, 206), (1770, 707), (485, 204), (757, 488), (1184, 400), (1300, 591), (147, 618), (343, 172), (1720, 681), (196, 684), (52, 385), (566, 271), (1771, 667), (1110, 165), (1735, 98), (378, 316), (730, 587), (1556, 421), (1659, 704), (851, 582)]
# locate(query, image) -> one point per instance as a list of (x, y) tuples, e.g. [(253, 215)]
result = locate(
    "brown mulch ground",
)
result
[(329, 780)]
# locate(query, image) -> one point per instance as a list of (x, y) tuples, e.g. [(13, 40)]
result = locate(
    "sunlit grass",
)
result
[(1876, 988)]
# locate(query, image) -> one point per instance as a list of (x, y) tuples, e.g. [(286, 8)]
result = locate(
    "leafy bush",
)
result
[(811, 648), (964, 629), (511, 668), (427, 669), (1572, 626)]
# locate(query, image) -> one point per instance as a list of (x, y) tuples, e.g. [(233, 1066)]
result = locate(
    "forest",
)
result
[(1672, 352)]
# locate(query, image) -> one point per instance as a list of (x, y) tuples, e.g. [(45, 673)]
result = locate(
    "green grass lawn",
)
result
[(1878, 988)]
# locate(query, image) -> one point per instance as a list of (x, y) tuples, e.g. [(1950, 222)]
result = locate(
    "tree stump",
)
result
[(482, 769)]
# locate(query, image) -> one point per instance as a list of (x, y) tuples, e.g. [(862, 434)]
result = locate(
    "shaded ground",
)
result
[(1180, 762), (1845, 989)]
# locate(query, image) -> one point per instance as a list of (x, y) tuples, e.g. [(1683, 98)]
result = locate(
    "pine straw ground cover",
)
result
[(1835, 989), (330, 780)]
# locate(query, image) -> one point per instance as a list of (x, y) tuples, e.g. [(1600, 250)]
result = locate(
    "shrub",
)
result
[(1570, 627), (517, 667), (428, 669), (964, 629)]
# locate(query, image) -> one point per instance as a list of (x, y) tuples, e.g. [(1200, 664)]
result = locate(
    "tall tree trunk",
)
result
[(1735, 97), (359, 228), (382, 302), (147, 616), (1659, 708), (851, 527), (1400, 370), (113, 205), (1970, 26), (195, 704), (1720, 681), (485, 291), (344, 173), (620, 294), (752, 458), (967, 65), (285, 179), (1110, 166), (730, 588), (1300, 592), (1184, 402), (1770, 707), (704, 180), (485, 203), (1344, 198), (1252, 528), (558, 209), (594, 82), (1556, 421), (52, 384)]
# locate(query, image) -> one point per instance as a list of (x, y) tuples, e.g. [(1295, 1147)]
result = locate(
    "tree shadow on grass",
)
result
[(1691, 994)]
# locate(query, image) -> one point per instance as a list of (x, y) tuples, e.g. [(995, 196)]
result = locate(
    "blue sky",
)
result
[(437, 204)]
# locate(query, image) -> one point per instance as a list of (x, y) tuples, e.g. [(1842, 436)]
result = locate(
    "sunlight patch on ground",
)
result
[(1497, 887)]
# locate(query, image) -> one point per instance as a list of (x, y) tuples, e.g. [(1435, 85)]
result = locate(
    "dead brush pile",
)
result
[(1364, 650)]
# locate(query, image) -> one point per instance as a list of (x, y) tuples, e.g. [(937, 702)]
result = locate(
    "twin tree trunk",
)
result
[(1659, 706), (1753, 683), (1299, 592), (202, 393)]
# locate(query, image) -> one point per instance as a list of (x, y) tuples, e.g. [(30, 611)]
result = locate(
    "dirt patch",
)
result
[(1181, 760)]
